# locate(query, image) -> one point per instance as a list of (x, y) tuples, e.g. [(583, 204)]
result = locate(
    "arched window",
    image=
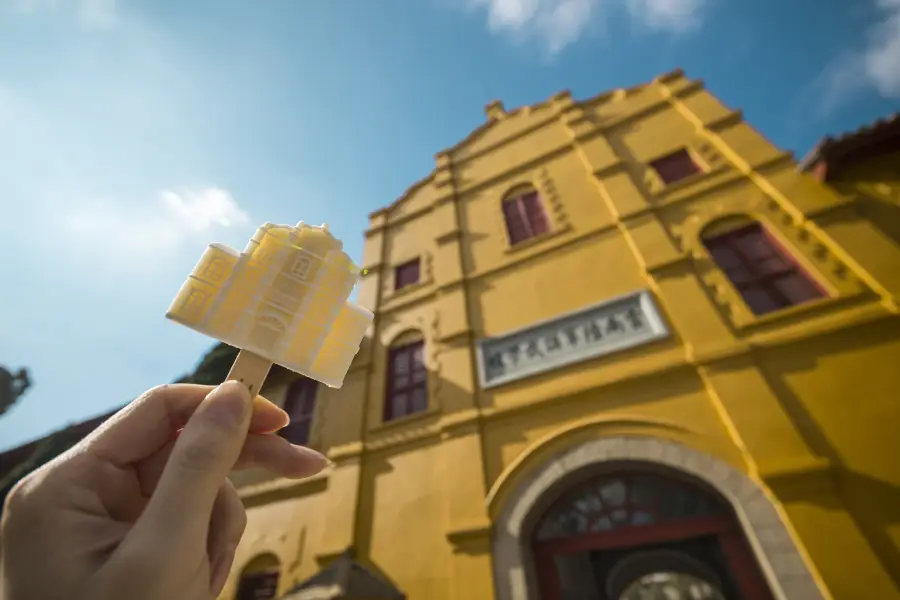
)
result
[(407, 380), (764, 273), (259, 579), (300, 405), (617, 502), (524, 214)]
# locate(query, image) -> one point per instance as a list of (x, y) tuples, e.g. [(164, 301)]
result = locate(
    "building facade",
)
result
[(620, 346)]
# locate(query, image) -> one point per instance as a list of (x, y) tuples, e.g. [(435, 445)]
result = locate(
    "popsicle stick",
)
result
[(250, 369)]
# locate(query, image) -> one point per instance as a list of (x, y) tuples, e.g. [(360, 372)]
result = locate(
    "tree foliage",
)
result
[(12, 386)]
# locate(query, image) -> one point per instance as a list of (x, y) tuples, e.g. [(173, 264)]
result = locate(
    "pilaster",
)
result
[(465, 489), (340, 509), (667, 268), (373, 262), (468, 524), (759, 421)]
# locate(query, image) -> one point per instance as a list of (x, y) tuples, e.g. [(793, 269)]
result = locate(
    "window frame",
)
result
[(300, 404), (662, 160), (391, 393), (271, 577), (413, 264), (760, 280), (533, 224)]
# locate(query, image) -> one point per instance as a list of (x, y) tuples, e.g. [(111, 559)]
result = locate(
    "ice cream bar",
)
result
[(283, 300)]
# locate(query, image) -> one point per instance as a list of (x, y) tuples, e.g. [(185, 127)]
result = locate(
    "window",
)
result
[(407, 381), (761, 270), (300, 405), (675, 167), (406, 274), (525, 217), (258, 586)]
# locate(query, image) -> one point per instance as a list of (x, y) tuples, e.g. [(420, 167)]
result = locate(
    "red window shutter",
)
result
[(675, 167), (534, 213), (525, 217), (516, 224), (407, 385), (763, 272), (406, 274), (300, 405)]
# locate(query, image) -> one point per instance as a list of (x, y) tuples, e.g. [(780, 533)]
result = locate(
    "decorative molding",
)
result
[(614, 168), (371, 269), (280, 488), (717, 357), (435, 373), (448, 236), (556, 209), (785, 566), (799, 240), (344, 452), (462, 535), (710, 157), (734, 117), (411, 428)]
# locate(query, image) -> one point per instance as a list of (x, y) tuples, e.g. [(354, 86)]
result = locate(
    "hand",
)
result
[(142, 508)]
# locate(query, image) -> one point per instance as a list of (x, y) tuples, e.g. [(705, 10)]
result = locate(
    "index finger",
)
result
[(150, 422)]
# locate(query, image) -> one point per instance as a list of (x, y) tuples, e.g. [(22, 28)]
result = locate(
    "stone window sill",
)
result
[(404, 420), (536, 240)]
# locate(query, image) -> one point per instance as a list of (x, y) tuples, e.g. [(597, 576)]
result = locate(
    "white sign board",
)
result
[(611, 326)]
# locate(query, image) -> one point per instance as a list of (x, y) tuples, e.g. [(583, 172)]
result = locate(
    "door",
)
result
[(642, 536)]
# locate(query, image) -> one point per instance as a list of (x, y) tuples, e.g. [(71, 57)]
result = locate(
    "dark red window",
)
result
[(258, 586), (406, 274), (300, 404), (675, 167), (762, 271), (525, 217), (407, 381)]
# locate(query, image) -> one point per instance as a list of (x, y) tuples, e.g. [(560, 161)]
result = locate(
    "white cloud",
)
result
[(560, 23), (92, 13), (177, 222), (881, 59), (876, 65), (667, 15)]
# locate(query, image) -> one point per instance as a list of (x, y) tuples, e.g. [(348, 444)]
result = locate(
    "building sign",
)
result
[(611, 326)]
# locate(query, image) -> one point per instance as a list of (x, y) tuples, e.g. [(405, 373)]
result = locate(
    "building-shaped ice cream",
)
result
[(284, 298)]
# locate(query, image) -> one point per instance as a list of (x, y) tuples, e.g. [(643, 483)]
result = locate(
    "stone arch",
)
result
[(264, 569), (264, 561), (784, 565), (402, 336), (724, 223), (519, 188)]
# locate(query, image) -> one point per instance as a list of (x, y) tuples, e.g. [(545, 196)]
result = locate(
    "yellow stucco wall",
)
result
[(803, 401)]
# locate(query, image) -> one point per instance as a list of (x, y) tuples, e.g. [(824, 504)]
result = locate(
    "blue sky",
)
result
[(134, 132)]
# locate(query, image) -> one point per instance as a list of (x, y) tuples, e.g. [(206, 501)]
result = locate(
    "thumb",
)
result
[(204, 454)]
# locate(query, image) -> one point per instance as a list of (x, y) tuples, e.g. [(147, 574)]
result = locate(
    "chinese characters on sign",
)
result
[(611, 326)]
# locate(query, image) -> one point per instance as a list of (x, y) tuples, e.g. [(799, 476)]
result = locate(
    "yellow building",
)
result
[(619, 344)]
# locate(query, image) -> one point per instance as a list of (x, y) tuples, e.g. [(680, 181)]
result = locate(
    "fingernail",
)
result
[(228, 404), (260, 402), (221, 567), (315, 460)]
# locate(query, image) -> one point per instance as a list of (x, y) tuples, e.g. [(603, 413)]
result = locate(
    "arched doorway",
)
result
[(259, 579), (639, 534)]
